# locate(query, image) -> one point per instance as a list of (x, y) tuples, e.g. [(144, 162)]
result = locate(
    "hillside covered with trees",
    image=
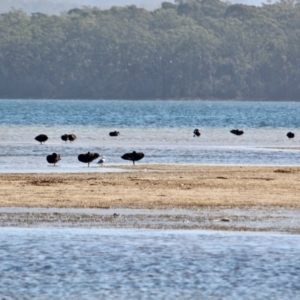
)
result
[(193, 49)]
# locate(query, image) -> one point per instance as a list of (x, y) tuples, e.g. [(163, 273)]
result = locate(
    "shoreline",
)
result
[(275, 220), (230, 198)]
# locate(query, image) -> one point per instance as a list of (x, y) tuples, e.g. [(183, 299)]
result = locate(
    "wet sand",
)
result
[(156, 196)]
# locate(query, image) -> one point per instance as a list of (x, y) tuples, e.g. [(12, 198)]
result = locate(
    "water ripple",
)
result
[(119, 264)]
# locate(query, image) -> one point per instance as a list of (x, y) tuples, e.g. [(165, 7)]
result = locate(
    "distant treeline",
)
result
[(193, 49)]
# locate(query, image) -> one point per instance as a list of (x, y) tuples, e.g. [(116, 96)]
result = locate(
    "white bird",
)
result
[(101, 160)]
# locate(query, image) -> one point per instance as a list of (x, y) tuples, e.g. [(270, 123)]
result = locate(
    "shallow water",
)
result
[(163, 130), (124, 264), (275, 219)]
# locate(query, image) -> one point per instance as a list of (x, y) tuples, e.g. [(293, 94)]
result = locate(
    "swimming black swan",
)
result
[(114, 133), (197, 132), (237, 132), (290, 135)]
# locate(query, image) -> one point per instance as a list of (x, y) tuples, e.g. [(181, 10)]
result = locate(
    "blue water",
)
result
[(119, 264), (149, 114), (163, 130)]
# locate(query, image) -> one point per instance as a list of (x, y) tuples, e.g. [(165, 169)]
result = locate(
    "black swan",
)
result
[(65, 137), (237, 132), (68, 137), (42, 138), (134, 156), (53, 158), (88, 157), (290, 135), (71, 137), (197, 132), (114, 133)]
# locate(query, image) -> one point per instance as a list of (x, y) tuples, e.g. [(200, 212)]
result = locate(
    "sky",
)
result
[(58, 6)]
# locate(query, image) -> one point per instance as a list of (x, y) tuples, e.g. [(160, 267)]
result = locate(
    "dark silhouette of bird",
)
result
[(65, 137), (42, 138), (134, 156), (88, 157), (114, 133), (72, 137), (197, 132), (68, 137), (237, 132), (290, 135), (53, 158)]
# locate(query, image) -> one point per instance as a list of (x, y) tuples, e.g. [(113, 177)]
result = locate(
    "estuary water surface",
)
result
[(51, 263), (163, 130), (124, 264)]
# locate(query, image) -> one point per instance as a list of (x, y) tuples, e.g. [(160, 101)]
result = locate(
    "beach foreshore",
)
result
[(242, 198)]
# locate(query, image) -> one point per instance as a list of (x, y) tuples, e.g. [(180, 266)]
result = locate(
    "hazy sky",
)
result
[(57, 6), (139, 2)]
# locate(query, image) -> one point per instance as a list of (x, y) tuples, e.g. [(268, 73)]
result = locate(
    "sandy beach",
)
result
[(157, 196)]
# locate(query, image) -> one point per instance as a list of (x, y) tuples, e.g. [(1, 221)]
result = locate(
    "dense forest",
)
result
[(193, 49)]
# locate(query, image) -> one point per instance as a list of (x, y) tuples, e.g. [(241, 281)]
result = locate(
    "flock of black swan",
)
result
[(89, 156), (68, 137), (134, 156)]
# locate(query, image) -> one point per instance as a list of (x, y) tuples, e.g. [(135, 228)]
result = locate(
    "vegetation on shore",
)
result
[(193, 49)]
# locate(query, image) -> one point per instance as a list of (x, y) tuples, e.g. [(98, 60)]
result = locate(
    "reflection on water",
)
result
[(163, 130), (119, 264)]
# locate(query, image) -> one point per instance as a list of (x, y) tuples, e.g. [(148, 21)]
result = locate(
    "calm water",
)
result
[(119, 264), (163, 130)]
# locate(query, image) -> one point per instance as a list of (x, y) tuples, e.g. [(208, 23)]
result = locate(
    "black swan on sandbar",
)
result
[(65, 137), (88, 157), (42, 138), (134, 156), (53, 158), (72, 137), (68, 137)]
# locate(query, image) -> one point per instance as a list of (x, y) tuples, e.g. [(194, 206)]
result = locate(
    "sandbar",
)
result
[(243, 198)]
